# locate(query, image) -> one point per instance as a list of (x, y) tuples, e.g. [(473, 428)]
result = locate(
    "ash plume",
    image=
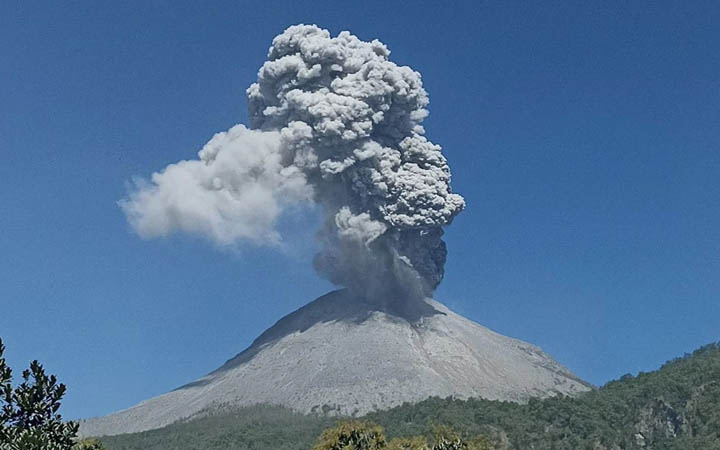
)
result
[(333, 122)]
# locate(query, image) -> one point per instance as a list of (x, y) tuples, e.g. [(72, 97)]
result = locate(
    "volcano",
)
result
[(344, 355)]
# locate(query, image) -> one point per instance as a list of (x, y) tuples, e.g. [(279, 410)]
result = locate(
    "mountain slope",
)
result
[(674, 408), (342, 355)]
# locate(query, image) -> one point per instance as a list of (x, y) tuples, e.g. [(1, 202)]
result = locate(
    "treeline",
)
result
[(676, 407)]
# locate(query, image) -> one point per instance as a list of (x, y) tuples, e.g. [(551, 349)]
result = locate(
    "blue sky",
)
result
[(585, 137)]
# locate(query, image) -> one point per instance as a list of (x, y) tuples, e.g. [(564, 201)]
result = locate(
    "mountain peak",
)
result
[(342, 354)]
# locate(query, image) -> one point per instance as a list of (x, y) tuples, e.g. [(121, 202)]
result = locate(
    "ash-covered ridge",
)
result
[(344, 355)]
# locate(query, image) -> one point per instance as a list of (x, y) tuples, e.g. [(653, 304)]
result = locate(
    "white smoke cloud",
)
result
[(234, 192), (336, 122)]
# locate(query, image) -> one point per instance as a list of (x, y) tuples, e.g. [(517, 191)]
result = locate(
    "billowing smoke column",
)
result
[(332, 121)]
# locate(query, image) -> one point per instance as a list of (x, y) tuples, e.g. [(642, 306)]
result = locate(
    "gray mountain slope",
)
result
[(346, 356)]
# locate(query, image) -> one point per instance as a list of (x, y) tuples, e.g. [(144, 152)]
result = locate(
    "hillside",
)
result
[(676, 407), (406, 352)]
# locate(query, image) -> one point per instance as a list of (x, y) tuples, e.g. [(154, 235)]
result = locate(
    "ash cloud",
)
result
[(332, 121), (233, 192)]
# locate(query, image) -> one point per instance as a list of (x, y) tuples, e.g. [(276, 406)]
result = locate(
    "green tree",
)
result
[(29, 418), (5, 394), (89, 444), (370, 436), (447, 438), (411, 443), (352, 436)]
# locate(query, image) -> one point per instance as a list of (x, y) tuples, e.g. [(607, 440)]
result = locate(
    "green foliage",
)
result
[(352, 436), (89, 444), (6, 393), (260, 427), (29, 418), (370, 436), (674, 408), (411, 443), (446, 437)]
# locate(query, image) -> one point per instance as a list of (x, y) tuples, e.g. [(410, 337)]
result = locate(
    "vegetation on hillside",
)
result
[(674, 408), (259, 427)]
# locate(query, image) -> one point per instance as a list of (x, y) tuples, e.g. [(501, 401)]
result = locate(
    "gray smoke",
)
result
[(334, 122)]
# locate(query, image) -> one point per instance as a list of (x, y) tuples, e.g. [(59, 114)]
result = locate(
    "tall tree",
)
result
[(29, 418)]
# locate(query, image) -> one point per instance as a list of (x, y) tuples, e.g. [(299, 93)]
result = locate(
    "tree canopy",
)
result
[(29, 418)]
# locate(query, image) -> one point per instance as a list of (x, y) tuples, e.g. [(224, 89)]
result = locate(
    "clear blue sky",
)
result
[(585, 139)]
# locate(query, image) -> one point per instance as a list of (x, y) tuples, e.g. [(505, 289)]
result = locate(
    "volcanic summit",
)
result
[(336, 124), (343, 355)]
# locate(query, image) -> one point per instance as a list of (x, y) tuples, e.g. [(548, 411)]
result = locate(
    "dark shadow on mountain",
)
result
[(340, 305)]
